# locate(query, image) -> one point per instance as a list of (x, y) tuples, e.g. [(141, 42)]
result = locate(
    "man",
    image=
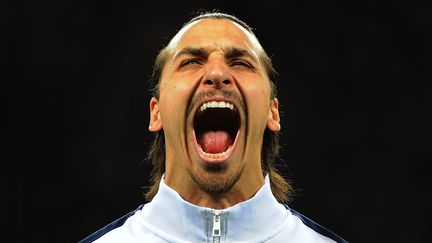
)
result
[(216, 119)]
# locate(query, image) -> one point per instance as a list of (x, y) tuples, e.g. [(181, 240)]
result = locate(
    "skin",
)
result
[(185, 77)]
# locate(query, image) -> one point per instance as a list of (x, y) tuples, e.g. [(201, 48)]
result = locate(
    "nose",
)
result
[(217, 75)]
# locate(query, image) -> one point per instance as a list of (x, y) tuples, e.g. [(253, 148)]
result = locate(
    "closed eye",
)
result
[(242, 63), (190, 62)]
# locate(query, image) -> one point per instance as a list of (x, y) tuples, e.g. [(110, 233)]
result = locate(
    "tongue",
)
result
[(215, 141)]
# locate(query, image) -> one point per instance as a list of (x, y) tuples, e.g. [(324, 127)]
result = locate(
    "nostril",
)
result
[(226, 81), (208, 82)]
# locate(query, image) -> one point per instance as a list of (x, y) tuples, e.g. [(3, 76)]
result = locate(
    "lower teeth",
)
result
[(217, 155)]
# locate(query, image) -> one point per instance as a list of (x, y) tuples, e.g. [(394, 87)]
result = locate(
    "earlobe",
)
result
[(155, 118), (273, 119)]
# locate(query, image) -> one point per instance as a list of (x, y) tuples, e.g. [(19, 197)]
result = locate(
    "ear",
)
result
[(273, 119), (155, 118)]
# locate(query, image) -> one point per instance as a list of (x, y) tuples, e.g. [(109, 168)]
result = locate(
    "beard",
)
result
[(216, 180)]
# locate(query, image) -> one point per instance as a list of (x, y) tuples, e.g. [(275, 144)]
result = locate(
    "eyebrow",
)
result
[(230, 53), (198, 52), (234, 52)]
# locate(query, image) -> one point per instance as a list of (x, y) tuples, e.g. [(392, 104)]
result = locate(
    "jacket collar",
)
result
[(169, 214)]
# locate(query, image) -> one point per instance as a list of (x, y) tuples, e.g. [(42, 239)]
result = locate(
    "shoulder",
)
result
[(111, 228), (314, 229)]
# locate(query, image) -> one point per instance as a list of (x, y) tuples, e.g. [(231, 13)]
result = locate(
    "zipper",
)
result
[(216, 232)]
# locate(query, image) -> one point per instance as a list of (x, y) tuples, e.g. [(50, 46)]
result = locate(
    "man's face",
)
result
[(214, 106)]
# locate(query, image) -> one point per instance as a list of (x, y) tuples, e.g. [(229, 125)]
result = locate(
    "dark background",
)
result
[(354, 88)]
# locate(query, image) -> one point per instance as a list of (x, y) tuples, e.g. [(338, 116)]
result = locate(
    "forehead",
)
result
[(215, 33)]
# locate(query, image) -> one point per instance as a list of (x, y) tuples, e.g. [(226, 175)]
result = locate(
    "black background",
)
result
[(354, 91)]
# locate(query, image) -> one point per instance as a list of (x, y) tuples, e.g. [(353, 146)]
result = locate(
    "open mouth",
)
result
[(216, 126)]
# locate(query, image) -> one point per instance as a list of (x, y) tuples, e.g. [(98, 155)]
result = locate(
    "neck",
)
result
[(245, 188)]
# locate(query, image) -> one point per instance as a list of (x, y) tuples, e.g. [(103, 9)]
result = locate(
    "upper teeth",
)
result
[(216, 104)]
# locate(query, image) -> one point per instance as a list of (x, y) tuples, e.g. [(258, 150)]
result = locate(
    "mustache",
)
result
[(200, 97)]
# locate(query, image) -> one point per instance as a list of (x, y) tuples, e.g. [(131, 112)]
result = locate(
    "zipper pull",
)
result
[(216, 225)]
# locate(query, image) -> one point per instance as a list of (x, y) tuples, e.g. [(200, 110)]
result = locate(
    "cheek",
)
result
[(254, 84), (257, 94), (258, 102), (173, 101)]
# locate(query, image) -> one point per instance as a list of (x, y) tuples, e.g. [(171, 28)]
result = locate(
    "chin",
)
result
[(216, 178)]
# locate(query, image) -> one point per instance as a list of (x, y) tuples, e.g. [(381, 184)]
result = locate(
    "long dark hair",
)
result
[(281, 188)]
